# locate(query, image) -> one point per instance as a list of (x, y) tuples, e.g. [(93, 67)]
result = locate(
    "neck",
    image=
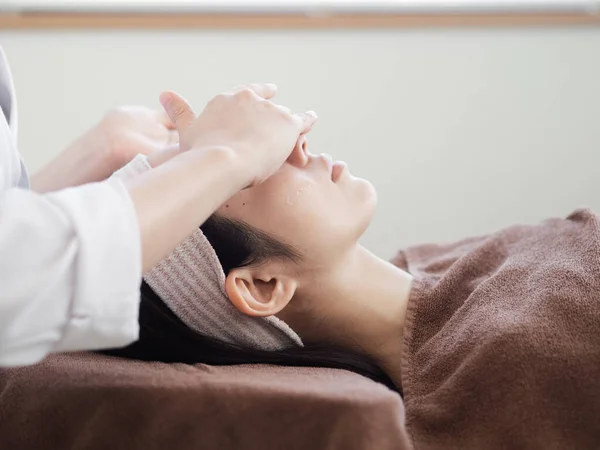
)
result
[(364, 306)]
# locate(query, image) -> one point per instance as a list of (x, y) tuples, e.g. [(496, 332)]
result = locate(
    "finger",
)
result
[(263, 90), (178, 110), (163, 118), (306, 121), (173, 137), (284, 109)]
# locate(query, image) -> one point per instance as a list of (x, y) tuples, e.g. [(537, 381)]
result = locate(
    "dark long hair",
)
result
[(164, 337)]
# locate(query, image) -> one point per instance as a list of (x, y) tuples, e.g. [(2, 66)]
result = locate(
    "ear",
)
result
[(259, 291)]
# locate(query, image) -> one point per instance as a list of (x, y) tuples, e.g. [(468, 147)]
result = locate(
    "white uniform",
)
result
[(70, 261)]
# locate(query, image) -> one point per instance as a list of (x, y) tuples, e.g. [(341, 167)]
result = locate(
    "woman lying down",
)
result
[(494, 342)]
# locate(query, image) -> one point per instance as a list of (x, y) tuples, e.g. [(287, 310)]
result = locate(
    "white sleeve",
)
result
[(70, 270), (136, 166)]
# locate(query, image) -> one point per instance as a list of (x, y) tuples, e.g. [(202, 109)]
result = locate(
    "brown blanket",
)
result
[(502, 346), (85, 401), (501, 350)]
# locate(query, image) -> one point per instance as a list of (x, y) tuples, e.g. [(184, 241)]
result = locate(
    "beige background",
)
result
[(461, 131)]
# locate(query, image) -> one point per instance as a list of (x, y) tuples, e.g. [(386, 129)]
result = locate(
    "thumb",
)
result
[(178, 110)]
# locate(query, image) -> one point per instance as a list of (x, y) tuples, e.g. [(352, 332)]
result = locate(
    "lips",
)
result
[(335, 169)]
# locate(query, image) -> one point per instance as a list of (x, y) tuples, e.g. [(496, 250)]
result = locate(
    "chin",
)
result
[(367, 191), (366, 201)]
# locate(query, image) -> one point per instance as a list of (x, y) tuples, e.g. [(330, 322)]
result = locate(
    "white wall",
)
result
[(461, 131)]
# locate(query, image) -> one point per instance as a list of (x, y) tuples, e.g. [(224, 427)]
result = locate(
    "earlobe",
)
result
[(256, 293)]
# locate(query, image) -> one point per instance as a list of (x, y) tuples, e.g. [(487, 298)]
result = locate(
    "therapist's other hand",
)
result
[(130, 130), (260, 134), (120, 135)]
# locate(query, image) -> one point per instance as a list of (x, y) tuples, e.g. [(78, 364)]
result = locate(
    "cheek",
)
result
[(314, 217), (280, 203), (334, 219), (294, 208)]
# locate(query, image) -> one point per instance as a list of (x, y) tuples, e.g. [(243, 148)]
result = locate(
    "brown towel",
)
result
[(84, 401), (502, 345)]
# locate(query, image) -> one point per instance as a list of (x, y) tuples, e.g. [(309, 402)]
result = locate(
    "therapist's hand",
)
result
[(259, 133), (130, 130), (120, 135)]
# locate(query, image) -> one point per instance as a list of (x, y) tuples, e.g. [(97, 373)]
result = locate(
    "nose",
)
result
[(299, 156)]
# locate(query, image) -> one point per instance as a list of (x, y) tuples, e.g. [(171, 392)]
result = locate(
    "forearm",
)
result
[(78, 164), (172, 200)]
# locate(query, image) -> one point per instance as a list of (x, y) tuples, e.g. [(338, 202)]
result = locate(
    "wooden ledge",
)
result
[(31, 21)]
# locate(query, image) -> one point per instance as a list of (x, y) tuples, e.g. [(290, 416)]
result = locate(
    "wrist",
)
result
[(162, 156), (227, 164), (94, 156), (83, 161)]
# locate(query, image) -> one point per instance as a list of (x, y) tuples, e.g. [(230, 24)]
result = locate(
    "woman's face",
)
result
[(311, 203)]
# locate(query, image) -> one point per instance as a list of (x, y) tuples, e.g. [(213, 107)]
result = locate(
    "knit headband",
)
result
[(191, 282)]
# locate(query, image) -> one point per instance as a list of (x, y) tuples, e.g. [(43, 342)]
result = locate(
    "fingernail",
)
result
[(271, 86), (164, 98), (312, 113)]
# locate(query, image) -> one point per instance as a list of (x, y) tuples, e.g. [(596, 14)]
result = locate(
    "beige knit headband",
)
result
[(191, 282)]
